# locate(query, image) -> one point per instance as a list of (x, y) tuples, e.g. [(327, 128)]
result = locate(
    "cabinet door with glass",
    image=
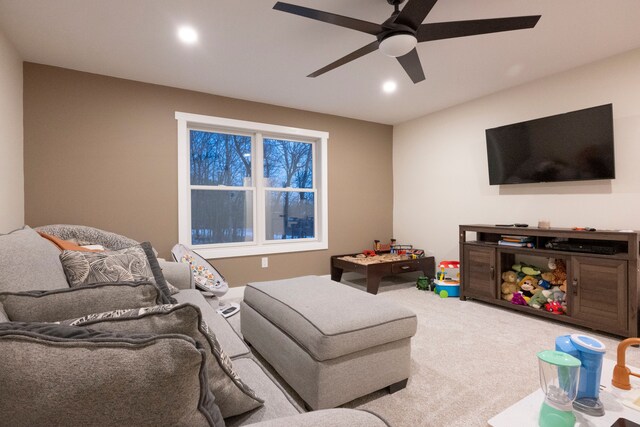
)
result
[(479, 272), (597, 291)]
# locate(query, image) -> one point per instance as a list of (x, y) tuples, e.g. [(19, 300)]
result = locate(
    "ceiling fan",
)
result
[(398, 35)]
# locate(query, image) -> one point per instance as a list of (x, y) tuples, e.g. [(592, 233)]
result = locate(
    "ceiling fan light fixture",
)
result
[(398, 44)]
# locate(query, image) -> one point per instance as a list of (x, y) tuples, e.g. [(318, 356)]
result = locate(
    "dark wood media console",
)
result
[(602, 288)]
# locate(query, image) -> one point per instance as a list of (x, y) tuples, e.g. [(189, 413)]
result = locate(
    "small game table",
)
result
[(379, 266)]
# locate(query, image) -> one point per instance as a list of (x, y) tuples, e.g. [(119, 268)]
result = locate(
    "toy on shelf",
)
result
[(518, 299), (448, 279), (529, 282), (509, 285)]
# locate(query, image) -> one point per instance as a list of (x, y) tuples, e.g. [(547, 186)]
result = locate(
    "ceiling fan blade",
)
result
[(348, 58), (411, 64), (331, 18), (448, 30), (414, 12)]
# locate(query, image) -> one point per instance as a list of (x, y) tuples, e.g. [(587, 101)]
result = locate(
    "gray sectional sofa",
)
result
[(26, 258)]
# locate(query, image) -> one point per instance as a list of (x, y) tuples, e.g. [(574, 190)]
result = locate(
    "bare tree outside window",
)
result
[(221, 215), (288, 165)]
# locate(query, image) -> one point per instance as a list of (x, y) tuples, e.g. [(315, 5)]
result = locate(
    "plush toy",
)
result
[(518, 299), (555, 294), (539, 298), (554, 307), (509, 285), (509, 276), (545, 280), (543, 284), (559, 270), (528, 285), (563, 287), (508, 289)]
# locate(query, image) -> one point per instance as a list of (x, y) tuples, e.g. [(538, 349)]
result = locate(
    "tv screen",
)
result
[(573, 146)]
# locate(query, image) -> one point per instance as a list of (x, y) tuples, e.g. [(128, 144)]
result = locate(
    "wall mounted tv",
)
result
[(574, 146)]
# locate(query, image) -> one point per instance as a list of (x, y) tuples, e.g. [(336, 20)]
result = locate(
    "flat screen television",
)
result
[(573, 146)]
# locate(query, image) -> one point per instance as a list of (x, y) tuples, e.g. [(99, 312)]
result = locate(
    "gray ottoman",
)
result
[(330, 342)]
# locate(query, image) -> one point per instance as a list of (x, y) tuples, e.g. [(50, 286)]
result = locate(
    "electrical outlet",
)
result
[(265, 262)]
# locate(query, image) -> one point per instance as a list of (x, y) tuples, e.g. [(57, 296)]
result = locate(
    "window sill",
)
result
[(277, 248)]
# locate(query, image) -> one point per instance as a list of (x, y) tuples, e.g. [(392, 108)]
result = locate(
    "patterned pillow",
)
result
[(3, 315), (134, 264), (232, 395)]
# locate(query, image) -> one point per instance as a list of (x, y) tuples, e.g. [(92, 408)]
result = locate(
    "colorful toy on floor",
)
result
[(424, 283), (448, 279)]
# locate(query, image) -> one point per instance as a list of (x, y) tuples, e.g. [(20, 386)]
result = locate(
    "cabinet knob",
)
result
[(574, 284), (492, 272)]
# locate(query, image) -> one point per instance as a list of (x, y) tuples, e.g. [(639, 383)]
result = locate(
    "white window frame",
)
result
[(259, 246)]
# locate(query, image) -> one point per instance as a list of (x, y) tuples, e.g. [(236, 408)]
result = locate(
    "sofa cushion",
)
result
[(136, 263), (29, 262), (77, 377), (84, 235), (229, 339), (233, 396), (299, 307), (277, 402), (60, 304)]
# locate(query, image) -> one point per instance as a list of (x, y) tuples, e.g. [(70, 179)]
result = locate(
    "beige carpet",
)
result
[(470, 360)]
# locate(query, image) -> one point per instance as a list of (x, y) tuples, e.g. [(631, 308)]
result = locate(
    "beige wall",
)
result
[(102, 151), (444, 156), (11, 138)]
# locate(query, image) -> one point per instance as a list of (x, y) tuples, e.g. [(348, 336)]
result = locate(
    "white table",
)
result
[(525, 412)]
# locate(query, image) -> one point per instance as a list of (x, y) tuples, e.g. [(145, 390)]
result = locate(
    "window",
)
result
[(249, 188)]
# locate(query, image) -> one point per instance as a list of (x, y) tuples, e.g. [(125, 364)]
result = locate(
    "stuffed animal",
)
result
[(528, 285), (554, 307), (508, 289), (518, 299), (559, 270), (545, 280), (555, 294), (539, 298), (509, 286), (563, 287)]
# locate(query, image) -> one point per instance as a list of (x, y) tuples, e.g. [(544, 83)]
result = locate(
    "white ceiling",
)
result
[(249, 51)]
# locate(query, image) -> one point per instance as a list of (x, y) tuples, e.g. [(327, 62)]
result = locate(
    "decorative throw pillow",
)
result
[(172, 289), (136, 263), (29, 262), (78, 377), (49, 306), (63, 245), (3, 315), (233, 396)]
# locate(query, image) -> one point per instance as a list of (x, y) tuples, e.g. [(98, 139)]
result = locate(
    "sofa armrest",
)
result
[(339, 417), (177, 273)]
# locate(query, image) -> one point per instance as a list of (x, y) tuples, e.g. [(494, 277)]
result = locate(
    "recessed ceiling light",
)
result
[(389, 86), (187, 35)]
